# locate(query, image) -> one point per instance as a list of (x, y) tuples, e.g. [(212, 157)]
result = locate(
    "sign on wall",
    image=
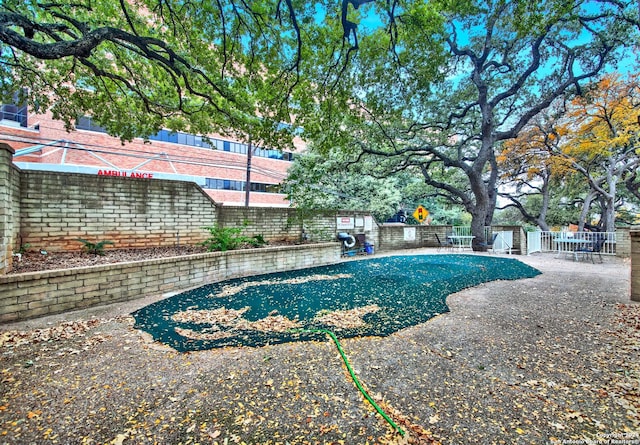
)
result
[(368, 223), (345, 222), (125, 174), (409, 233)]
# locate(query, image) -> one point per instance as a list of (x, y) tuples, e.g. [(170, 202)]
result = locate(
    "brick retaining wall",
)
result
[(271, 223), (9, 206), (36, 294), (58, 208), (634, 241)]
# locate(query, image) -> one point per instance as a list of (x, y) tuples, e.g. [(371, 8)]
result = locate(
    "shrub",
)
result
[(230, 238), (94, 248)]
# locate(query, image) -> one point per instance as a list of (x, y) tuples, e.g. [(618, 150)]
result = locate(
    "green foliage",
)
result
[(24, 248), (230, 238), (138, 67), (332, 183), (451, 81), (319, 182), (563, 211), (94, 248), (508, 216), (257, 240)]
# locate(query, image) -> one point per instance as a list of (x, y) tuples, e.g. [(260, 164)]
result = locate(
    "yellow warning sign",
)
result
[(421, 214)]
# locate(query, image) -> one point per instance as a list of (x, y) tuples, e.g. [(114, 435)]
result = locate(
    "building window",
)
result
[(86, 123), (14, 113), (239, 186)]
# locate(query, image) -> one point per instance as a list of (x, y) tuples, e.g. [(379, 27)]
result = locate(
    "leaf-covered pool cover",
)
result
[(357, 298)]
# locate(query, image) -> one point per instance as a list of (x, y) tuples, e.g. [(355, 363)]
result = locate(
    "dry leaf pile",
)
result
[(625, 357), (347, 319), (213, 316), (63, 331)]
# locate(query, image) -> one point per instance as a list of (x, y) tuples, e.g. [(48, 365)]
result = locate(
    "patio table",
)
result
[(461, 241), (569, 246)]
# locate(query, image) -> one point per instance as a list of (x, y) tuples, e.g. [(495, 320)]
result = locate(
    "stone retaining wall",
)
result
[(35, 294), (58, 208), (9, 206), (634, 241), (400, 236)]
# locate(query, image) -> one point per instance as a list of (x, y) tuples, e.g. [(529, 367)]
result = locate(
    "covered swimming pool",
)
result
[(368, 297)]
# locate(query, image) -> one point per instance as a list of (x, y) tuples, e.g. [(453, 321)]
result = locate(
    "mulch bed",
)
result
[(378, 295), (34, 261)]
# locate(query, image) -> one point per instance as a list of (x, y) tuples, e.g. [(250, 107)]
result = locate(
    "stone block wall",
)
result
[(319, 226), (400, 236), (58, 208), (288, 224), (271, 223), (634, 240), (9, 207), (38, 294), (623, 242)]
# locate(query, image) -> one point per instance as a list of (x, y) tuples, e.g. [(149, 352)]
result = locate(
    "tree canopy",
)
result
[(590, 141), (429, 88), (138, 66), (444, 84), (319, 182)]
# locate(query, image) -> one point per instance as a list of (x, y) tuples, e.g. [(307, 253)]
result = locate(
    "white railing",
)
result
[(567, 242), (466, 231), (503, 241), (461, 230)]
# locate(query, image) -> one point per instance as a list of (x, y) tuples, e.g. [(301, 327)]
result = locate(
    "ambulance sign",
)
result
[(421, 214)]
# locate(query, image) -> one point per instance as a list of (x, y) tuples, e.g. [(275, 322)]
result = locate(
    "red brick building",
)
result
[(218, 166)]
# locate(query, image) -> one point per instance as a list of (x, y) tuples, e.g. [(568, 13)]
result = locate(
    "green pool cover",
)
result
[(357, 298)]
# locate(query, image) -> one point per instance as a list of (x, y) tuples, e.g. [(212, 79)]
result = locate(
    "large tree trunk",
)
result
[(483, 187), (482, 210), (609, 216), (586, 206), (541, 220)]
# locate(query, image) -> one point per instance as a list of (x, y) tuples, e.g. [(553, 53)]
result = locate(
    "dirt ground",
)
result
[(551, 359)]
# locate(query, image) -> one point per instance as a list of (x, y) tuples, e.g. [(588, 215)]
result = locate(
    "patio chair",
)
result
[(489, 243), (596, 247), (447, 244)]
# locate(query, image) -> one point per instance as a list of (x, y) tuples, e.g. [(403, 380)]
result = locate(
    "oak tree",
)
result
[(443, 84), (601, 140), (582, 151)]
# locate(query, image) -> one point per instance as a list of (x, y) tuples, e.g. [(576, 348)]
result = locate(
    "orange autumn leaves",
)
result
[(599, 123)]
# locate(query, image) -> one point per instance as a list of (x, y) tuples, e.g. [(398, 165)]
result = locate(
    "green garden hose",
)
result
[(355, 378)]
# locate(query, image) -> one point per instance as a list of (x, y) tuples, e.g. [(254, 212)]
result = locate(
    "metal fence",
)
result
[(568, 242)]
